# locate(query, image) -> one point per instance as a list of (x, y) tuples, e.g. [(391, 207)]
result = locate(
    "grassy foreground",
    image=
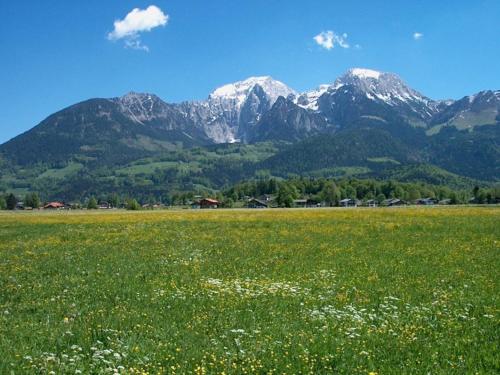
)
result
[(385, 291)]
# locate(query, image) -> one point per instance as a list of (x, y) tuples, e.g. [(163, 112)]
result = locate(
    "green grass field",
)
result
[(326, 291)]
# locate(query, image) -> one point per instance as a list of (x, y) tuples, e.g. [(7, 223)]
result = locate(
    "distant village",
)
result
[(271, 193), (262, 202)]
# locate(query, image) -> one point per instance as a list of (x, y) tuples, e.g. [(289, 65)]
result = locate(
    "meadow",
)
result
[(318, 291)]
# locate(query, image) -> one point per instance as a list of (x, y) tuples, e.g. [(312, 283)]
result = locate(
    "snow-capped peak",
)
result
[(239, 91), (364, 73), (387, 87), (374, 85), (358, 76)]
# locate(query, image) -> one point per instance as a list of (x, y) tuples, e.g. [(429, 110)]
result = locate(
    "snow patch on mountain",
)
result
[(365, 73), (309, 99)]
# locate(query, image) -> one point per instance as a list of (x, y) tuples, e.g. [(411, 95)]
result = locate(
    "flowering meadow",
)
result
[(313, 291)]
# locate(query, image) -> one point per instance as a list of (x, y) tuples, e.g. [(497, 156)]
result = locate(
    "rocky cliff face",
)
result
[(231, 111)]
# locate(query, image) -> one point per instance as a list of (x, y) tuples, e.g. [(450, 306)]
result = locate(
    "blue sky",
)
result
[(56, 53)]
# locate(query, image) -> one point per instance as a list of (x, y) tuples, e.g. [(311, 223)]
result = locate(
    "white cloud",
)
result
[(136, 22), (328, 39), (417, 36)]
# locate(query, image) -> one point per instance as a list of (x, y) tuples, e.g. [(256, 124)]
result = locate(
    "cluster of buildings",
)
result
[(268, 201), (48, 206), (56, 205), (265, 201)]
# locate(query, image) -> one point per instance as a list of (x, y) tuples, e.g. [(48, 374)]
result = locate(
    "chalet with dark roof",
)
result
[(209, 203)]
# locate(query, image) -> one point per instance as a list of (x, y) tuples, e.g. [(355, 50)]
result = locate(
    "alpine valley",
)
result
[(365, 124)]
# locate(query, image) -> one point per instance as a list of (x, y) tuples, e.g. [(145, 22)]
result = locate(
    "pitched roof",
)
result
[(209, 200), (345, 200), (54, 205)]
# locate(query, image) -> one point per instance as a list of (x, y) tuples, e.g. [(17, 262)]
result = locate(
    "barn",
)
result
[(54, 206), (209, 203)]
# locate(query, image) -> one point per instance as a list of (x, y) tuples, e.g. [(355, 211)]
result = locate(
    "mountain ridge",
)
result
[(233, 110), (361, 120)]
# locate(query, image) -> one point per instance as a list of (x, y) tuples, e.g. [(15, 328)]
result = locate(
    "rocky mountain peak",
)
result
[(141, 107), (373, 81), (238, 92), (132, 97), (385, 87)]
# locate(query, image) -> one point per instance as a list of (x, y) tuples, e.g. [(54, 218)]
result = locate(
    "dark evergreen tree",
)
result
[(32, 200), (114, 200), (11, 201)]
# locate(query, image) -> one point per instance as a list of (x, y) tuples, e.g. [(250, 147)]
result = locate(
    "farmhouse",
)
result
[(370, 203), (313, 203), (54, 206), (256, 203), (209, 203), (349, 202), (156, 206), (426, 201), (393, 202), (445, 201), (267, 198), (300, 203), (104, 206)]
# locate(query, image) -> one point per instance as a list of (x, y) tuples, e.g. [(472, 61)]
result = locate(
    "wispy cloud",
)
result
[(417, 36), (136, 22), (329, 39)]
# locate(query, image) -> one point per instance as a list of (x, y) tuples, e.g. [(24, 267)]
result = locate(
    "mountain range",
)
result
[(365, 119)]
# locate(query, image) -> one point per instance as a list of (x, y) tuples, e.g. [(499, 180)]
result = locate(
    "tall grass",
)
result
[(385, 291)]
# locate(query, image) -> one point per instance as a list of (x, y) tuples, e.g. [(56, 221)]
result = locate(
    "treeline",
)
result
[(326, 191), (332, 191)]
